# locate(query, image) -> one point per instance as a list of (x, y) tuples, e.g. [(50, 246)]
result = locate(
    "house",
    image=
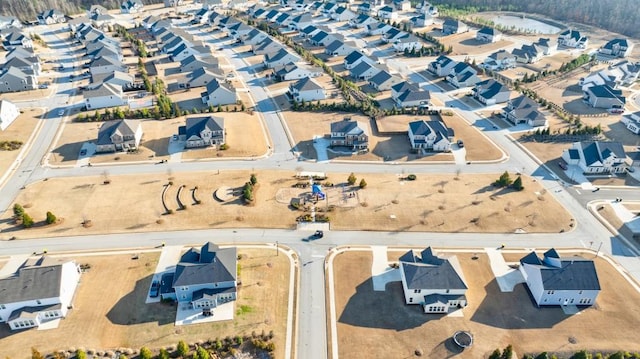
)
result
[(254, 37), (342, 14), (430, 135), (9, 21), (631, 122), (441, 66), (202, 132), (195, 62), (413, 98), (293, 71), (436, 283), (603, 96), (349, 133), (185, 50), (8, 113), (426, 8), (121, 79), (103, 96), (266, 46), (596, 156), (301, 21), (219, 93), (407, 42), (323, 38), (106, 64), (524, 110), (491, 92), (202, 76), (617, 47), (204, 278), (13, 79), (340, 48), (387, 13), (365, 8), (624, 73), (40, 291), (391, 34), (119, 135), (383, 81), (488, 34), (546, 45), (283, 19), (23, 64), (422, 20), (15, 38), (499, 60), (51, 16), (280, 58), (378, 28), (201, 16), (451, 26), (309, 31), (211, 4), (354, 59), (553, 280), (364, 71), (528, 54), (573, 38), (399, 88), (306, 89), (172, 3), (131, 6), (463, 75), (402, 5)]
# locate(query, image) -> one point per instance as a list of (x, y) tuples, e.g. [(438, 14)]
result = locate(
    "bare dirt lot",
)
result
[(466, 44), (19, 130), (110, 314), (431, 203), (379, 322)]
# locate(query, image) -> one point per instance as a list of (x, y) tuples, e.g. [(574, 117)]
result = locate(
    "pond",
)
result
[(524, 23)]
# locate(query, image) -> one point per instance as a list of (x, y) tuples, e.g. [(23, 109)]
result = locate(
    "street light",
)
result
[(277, 249)]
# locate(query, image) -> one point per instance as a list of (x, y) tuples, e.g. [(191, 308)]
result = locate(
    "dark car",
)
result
[(155, 289), (317, 235), (562, 165), (83, 152)]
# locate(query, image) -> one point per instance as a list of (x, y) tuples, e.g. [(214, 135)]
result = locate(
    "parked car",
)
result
[(562, 165), (460, 144), (155, 289), (83, 152), (61, 112), (317, 235)]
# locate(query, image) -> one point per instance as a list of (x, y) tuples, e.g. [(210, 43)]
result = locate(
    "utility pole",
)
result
[(277, 249)]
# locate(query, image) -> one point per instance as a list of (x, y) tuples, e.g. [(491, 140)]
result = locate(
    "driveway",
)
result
[(459, 154), (83, 160), (176, 148), (169, 257), (320, 144)]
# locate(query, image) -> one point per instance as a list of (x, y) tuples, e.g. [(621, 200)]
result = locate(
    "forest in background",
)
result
[(621, 16)]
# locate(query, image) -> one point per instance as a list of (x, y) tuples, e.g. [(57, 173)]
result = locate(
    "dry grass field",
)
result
[(19, 130), (110, 314), (466, 44), (431, 203), (375, 324)]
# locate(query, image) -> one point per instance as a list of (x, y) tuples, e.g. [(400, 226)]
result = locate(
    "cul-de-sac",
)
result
[(300, 179)]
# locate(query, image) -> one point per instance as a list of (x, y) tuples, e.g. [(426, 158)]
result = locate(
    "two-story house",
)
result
[(488, 34), (617, 47), (451, 26), (119, 135), (553, 280), (350, 133), (202, 132), (436, 283), (524, 110), (306, 89), (103, 95), (596, 156), (491, 92), (219, 93), (430, 136), (441, 66), (463, 75)]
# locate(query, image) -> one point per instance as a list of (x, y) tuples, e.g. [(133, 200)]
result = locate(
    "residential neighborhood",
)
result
[(316, 179)]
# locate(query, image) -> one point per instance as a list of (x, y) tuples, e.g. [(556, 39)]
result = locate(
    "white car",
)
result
[(60, 112)]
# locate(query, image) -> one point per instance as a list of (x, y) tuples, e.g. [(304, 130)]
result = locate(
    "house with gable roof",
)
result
[(219, 93), (383, 80), (202, 131), (13, 79), (205, 278), (364, 71), (340, 48), (342, 14), (306, 89), (491, 92), (488, 34), (430, 136), (279, 58), (499, 60), (422, 20), (361, 21), (131, 6), (632, 122), (119, 135), (436, 283), (553, 280), (292, 71), (617, 47), (463, 75), (596, 156), (603, 96), (573, 38), (350, 133), (441, 66), (51, 16), (40, 291), (354, 59), (524, 110), (451, 26), (104, 95), (388, 13)]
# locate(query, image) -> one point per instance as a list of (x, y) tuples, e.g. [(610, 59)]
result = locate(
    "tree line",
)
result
[(614, 15)]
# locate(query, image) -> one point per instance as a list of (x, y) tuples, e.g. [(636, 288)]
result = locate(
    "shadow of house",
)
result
[(67, 152), (391, 148), (573, 90), (515, 310), (390, 312), (159, 146), (131, 308)]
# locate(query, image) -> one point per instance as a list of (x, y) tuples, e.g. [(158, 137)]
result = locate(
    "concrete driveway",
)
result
[(320, 144)]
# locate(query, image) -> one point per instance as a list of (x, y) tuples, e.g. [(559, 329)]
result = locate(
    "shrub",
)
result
[(145, 353), (35, 354), (224, 147), (18, 210), (253, 179), (27, 221), (411, 177), (504, 180), (183, 349), (517, 184), (51, 218), (80, 354), (363, 183), (164, 354), (351, 180)]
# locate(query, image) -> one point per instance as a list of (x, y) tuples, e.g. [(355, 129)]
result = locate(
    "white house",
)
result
[(407, 42), (463, 75), (491, 92), (573, 38), (524, 110), (596, 156), (131, 6), (430, 135), (279, 58), (617, 47), (632, 122), (354, 59), (205, 278), (293, 71), (553, 280), (388, 13), (104, 95), (219, 93), (499, 60), (488, 34), (441, 66), (8, 113), (38, 292), (603, 96), (307, 90), (51, 16), (435, 283), (383, 81)]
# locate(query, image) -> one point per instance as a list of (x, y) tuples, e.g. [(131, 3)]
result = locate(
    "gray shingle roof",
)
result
[(195, 125), (31, 283), (306, 84), (433, 273), (213, 265), (124, 127)]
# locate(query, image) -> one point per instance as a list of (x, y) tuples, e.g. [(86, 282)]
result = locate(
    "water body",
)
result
[(525, 23)]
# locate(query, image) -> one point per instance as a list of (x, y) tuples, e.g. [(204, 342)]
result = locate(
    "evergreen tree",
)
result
[(35, 354), (51, 218), (18, 210), (183, 349), (351, 180), (27, 221), (145, 353), (363, 183)]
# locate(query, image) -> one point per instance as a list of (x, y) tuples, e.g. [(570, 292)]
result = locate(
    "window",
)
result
[(549, 292), (417, 291), (38, 301), (410, 300)]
